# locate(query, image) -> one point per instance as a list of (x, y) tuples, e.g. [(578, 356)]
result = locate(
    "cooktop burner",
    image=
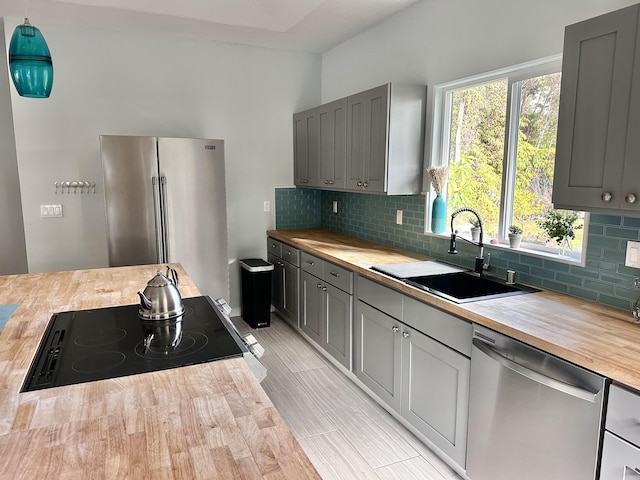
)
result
[(87, 345)]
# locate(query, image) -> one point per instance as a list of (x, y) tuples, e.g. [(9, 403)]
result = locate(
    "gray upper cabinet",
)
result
[(332, 144), (305, 148), (598, 146), (369, 142)]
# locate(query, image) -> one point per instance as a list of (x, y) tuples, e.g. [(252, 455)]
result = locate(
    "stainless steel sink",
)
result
[(462, 287)]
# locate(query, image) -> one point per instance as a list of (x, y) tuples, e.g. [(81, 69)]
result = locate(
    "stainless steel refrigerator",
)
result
[(166, 202)]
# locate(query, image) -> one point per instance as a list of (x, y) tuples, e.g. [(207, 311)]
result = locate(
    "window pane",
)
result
[(536, 157), (476, 150)]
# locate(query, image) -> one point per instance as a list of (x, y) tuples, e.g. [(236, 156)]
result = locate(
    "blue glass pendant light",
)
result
[(30, 62)]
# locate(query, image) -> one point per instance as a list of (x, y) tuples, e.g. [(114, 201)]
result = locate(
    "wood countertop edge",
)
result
[(594, 336), (178, 423)]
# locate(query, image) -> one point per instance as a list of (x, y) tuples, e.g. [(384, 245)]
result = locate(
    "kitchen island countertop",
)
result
[(211, 420), (594, 336)]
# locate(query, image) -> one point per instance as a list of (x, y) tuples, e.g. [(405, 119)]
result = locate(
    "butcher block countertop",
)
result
[(597, 337), (210, 421)]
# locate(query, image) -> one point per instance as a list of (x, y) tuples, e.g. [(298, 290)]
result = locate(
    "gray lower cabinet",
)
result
[(377, 353), (311, 317), (327, 307), (597, 151), (416, 358), (286, 279), (435, 391)]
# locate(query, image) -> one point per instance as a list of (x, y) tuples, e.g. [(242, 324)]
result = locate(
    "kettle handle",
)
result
[(172, 274)]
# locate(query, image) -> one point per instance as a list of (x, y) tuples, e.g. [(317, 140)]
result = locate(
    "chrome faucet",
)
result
[(480, 265)]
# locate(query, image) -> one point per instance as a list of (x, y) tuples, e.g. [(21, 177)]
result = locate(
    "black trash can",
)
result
[(256, 292)]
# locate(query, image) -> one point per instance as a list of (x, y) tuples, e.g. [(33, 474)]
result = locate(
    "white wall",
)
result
[(436, 41), (13, 252), (152, 84)]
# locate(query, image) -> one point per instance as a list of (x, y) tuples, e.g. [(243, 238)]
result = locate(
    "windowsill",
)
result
[(578, 262)]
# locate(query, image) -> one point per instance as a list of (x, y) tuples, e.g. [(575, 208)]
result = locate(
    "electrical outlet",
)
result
[(399, 217), (335, 206), (632, 258)]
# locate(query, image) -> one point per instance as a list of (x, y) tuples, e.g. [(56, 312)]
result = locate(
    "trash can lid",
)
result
[(256, 265)]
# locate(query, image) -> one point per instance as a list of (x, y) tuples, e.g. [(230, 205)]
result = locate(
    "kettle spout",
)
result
[(145, 303)]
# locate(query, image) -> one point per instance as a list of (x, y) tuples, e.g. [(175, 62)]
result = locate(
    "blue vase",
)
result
[(439, 215)]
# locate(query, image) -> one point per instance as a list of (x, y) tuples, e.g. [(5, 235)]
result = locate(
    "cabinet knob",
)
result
[(606, 197), (327, 182), (288, 252), (330, 182), (324, 289), (311, 263), (405, 334), (365, 184), (630, 198), (335, 274), (319, 285), (395, 329), (359, 184)]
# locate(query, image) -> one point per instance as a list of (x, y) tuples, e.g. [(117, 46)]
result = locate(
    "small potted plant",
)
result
[(558, 225), (515, 236), (475, 229)]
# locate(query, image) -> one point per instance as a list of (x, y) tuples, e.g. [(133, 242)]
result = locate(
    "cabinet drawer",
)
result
[(290, 254), (284, 251), (312, 264), (274, 247), (380, 296), (623, 414), (447, 329), (338, 277), (620, 459)]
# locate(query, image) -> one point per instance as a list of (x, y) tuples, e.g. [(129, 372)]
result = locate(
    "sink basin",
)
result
[(462, 287)]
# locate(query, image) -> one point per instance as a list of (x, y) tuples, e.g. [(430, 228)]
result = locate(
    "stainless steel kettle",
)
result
[(161, 299)]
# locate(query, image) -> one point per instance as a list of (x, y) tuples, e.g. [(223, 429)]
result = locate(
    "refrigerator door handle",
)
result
[(157, 212), (165, 220)]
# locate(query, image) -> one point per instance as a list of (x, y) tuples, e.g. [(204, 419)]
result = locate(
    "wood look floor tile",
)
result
[(377, 443), (335, 458), (303, 416), (297, 355), (416, 468), (328, 388), (279, 377)]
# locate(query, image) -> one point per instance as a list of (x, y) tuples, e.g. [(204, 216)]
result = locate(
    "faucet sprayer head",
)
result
[(452, 244)]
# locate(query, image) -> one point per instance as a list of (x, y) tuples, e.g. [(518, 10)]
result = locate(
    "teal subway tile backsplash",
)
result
[(297, 208), (605, 279)]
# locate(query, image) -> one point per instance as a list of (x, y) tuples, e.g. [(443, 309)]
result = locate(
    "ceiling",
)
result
[(300, 25)]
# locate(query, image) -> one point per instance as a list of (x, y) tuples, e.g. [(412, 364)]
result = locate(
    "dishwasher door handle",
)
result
[(533, 375)]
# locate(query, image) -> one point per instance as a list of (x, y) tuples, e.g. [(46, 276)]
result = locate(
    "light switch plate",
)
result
[(632, 258), (50, 211), (399, 217)]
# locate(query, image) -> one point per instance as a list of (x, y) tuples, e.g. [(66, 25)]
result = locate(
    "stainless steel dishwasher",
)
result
[(532, 416)]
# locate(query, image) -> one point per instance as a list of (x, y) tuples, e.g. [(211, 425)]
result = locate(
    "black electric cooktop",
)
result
[(87, 345)]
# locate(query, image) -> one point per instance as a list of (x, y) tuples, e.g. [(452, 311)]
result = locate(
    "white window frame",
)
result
[(441, 132)]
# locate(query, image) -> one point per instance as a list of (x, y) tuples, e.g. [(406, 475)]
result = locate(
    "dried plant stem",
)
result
[(438, 176)]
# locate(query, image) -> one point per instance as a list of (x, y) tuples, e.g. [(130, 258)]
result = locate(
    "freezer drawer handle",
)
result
[(535, 376), (634, 470)]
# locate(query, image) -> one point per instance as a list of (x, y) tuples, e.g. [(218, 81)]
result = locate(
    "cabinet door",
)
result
[(620, 459), (367, 128), (332, 144), (435, 392), (305, 148), (378, 353), (338, 325), (311, 314), (277, 282), (594, 107), (290, 292)]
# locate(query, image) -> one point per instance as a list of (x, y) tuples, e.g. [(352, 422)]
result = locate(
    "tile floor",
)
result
[(346, 434)]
